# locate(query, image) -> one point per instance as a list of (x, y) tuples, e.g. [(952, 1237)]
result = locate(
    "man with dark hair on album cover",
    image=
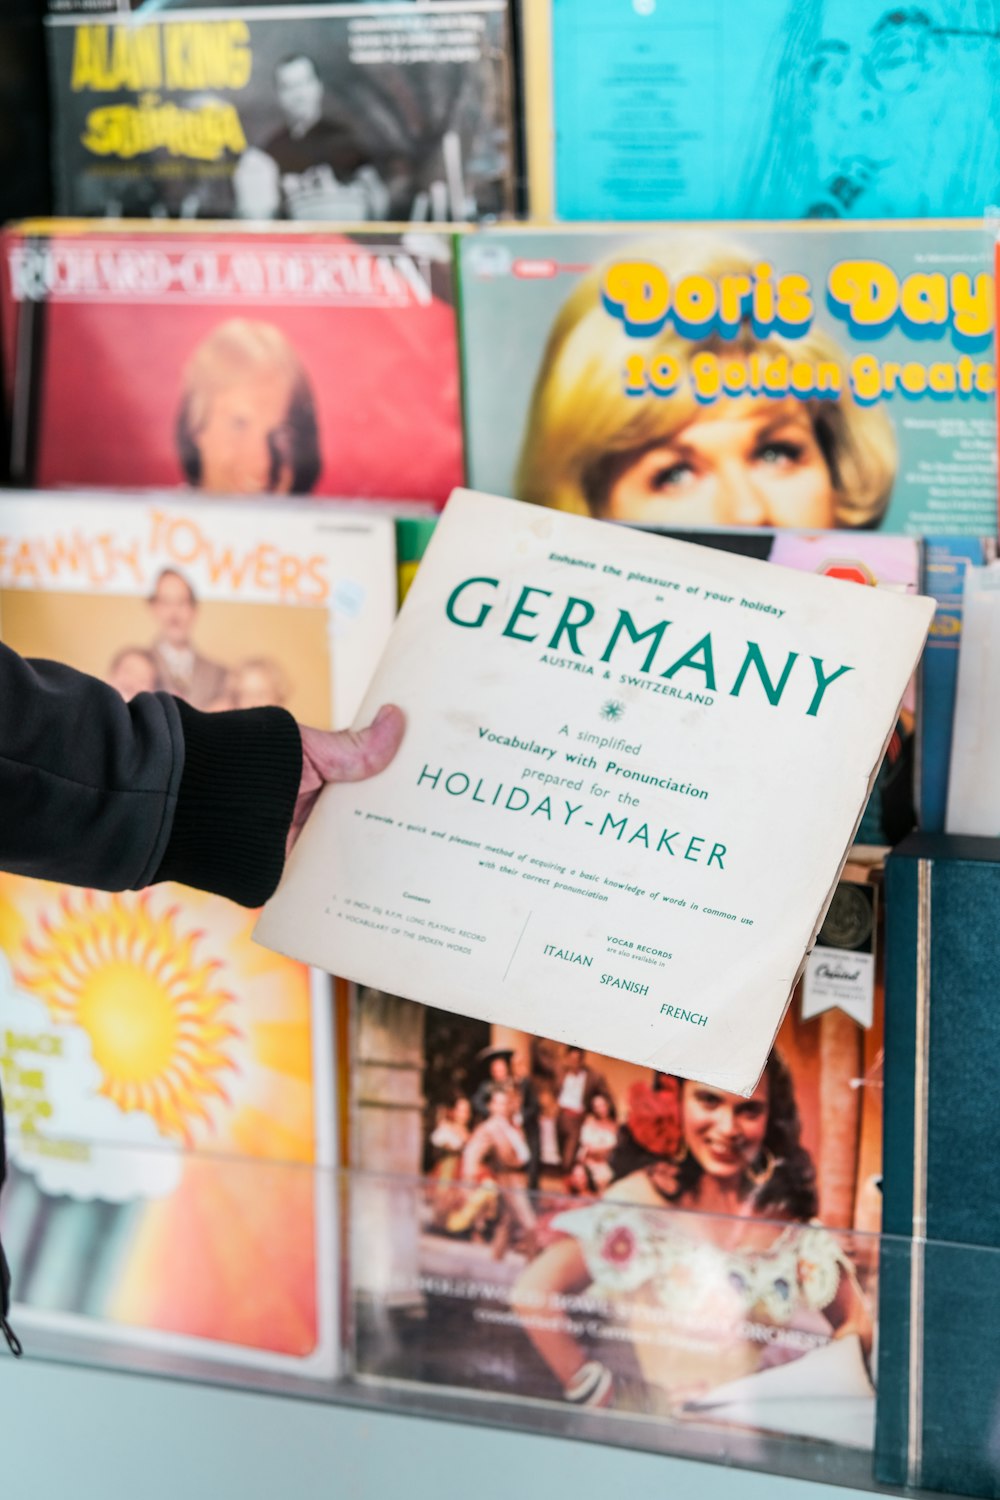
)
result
[(577, 1083), (314, 167)]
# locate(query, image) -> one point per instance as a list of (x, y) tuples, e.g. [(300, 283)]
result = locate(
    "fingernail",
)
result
[(385, 709)]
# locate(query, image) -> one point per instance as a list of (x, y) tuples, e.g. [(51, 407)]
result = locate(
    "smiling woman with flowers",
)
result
[(740, 1282)]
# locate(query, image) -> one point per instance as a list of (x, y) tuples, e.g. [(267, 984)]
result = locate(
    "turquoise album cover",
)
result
[(853, 109)]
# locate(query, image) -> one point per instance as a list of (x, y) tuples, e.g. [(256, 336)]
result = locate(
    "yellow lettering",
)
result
[(207, 54), (101, 134), (635, 375), (108, 58), (734, 287), (240, 55), (664, 375), (695, 300), (941, 379), (734, 376), (775, 378), (891, 371), (638, 292), (763, 293), (868, 290), (126, 131), (913, 378), (795, 303), (924, 297), (85, 58), (174, 53), (144, 59), (705, 376), (972, 303), (802, 377), (865, 378), (230, 131), (828, 376)]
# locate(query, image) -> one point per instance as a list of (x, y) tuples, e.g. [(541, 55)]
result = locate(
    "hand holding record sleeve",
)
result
[(342, 756), (632, 772)]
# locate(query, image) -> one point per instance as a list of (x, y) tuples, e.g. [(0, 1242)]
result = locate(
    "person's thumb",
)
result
[(352, 755)]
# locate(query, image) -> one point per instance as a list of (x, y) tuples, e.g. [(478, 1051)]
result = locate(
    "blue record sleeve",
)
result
[(939, 1318), (945, 562)]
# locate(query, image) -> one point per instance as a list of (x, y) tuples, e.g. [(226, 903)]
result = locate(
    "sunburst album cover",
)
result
[(170, 1089)]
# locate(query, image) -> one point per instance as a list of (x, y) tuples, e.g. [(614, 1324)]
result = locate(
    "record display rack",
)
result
[(366, 1368)]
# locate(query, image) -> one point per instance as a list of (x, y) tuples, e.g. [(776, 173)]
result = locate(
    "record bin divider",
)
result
[(390, 1352)]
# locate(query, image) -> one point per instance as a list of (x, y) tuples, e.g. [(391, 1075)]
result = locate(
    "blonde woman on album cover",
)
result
[(673, 462), (247, 418), (688, 1286)]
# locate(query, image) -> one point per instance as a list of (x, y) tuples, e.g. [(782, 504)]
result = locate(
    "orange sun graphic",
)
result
[(133, 981)]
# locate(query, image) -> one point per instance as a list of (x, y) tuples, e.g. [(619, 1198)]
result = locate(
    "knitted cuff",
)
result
[(241, 777)]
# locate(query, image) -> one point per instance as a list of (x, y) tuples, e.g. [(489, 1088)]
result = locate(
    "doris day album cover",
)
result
[(821, 377)]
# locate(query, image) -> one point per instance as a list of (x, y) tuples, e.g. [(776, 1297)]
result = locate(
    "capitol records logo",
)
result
[(837, 981)]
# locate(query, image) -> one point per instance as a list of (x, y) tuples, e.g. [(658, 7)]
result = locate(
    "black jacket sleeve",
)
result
[(235, 801), (98, 792)]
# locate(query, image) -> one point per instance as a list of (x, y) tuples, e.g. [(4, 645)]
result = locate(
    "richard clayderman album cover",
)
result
[(272, 362)]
